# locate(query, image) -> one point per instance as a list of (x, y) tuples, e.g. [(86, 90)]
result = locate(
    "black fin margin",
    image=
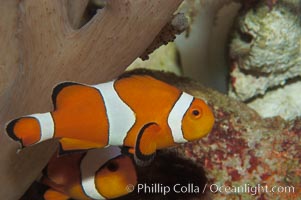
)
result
[(62, 152), (58, 89), (135, 72), (143, 160), (139, 157), (11, 133)]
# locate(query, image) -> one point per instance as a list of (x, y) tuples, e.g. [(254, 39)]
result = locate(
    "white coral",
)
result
[(265, 50)]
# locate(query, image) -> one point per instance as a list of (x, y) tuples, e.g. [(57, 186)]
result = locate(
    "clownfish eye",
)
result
[(196, 113), (112, 166)]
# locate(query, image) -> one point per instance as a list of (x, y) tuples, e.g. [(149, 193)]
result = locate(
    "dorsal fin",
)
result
[(57, 90)]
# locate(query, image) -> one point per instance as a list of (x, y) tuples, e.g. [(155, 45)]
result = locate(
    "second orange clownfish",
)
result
[(97, 174), (138, 112)]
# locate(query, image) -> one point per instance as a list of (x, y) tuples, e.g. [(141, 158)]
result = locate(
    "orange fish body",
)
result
[(90, 175), (138, 112)]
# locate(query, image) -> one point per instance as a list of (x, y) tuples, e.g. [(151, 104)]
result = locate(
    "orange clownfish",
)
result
[(138, 112), (97, 174)]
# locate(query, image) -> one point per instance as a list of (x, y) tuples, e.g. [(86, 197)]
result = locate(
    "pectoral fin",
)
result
[(51, 194), (145, 148), (68, 145)]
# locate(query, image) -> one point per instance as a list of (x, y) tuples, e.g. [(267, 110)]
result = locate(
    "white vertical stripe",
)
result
[(121, 117), (46, 125), (90, 164), (176, 115)]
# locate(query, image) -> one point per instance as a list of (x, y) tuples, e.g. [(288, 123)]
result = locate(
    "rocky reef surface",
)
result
[(243, 149)]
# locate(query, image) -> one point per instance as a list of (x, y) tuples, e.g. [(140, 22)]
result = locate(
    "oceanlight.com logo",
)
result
[(247, 188), (158, 188)]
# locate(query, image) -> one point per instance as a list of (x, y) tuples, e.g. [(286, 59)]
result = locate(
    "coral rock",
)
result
[(265, 55)]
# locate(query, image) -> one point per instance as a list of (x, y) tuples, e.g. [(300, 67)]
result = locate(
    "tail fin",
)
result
[(31, 129)]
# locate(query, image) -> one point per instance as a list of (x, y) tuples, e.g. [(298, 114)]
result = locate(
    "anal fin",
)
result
[(68, 145)]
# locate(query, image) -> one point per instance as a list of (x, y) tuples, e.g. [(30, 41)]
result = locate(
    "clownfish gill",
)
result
[(89, 175), (138, 112)]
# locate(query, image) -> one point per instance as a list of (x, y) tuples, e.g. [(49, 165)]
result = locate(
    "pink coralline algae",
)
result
[(262, 152)]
